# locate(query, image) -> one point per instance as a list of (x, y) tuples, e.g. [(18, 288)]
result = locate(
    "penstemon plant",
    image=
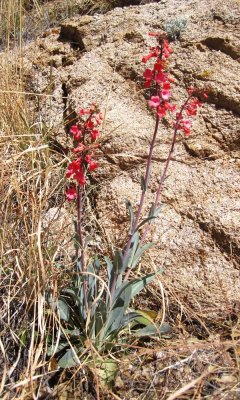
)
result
[(94, 308)]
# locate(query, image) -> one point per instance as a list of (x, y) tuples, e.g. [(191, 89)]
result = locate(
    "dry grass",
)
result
[(24, 20), (29, 178), (199, 362)]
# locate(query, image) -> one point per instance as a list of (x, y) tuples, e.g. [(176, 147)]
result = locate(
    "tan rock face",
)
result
[(98, 59)]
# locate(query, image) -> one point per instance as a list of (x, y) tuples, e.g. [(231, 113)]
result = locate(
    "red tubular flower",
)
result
[(71, 194), (190, 90), (161, 111), (148, 74), (76, 132), (154, 101), (146, 58), (160, 82), (187, 123), (147, 84), (88, 158), (73, 167), (151, 55), (79, 148), (98, 121), (166, 85), (84, 133), (165, 94), (158, 66), (94, 134), (192, 106), (80, 177), (186, 131), (93, 165), (84, 111), (90, 124), (74, 129), (161, 77)]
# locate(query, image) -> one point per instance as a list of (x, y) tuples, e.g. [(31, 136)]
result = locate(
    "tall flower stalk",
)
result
[(159, 84), (85, 134)]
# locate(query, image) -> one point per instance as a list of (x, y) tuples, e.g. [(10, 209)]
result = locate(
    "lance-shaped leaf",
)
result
[(133, 249), (145, 221), (109, 270), (121, 300), (71, 299), (69, 359), (131, 213), (139, 253), (154, 211), (52, 350), (64, 309), (153, 330), (153, 214)]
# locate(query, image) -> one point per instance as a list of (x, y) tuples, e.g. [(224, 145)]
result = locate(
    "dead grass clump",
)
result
[(25, 20), (29, 178)]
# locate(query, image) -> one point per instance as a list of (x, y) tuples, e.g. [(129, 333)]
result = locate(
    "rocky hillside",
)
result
[(97, 58)]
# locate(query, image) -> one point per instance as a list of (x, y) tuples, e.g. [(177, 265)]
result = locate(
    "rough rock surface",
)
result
[(97, 59)]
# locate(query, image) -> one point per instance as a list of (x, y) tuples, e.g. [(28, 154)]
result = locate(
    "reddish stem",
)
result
[(146, 180), (80, 240), (136, 219), (163, 177)]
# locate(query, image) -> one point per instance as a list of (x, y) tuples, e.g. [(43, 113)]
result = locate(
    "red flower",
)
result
[(187, 123), (88, 158), (165, 94), (161, 77), (71, 194), (153, 54), (90, 124), (84, 132), (84, 111), (76, 132), (94, 134), (191, 108), (98, 121), (79, 148), (183, 124), (166, 85), (80, 177), (148, 74), (93, 165), (161, 111), (147, 84), (170, 107), (73, 167), (154, 101), (158, 66), (190, 90)]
